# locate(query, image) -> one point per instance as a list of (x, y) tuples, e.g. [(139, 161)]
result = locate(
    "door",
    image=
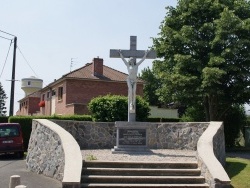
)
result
[(53, 102)]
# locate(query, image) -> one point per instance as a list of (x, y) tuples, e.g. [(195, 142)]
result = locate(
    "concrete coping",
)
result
[(206, 153), (72, 154)]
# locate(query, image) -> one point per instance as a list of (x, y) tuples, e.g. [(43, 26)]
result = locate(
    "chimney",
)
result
[(97, 66)]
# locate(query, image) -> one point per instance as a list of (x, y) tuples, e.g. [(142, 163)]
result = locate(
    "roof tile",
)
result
[(86, 72)]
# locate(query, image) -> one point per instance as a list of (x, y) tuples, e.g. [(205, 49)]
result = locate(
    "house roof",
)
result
[(36, 94), (86, 72)]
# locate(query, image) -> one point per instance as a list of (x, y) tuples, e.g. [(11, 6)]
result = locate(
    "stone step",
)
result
[(144, 179), (140, 171), (141, 174), (114, 185), (144, 164)]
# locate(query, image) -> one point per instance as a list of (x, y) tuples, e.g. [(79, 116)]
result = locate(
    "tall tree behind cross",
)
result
[(132, 66)]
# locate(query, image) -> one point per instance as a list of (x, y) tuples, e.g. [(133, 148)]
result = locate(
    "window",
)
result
[(6, 131), (43, 97), (29, 83), (53, 93), (60, 93), (48, 95)]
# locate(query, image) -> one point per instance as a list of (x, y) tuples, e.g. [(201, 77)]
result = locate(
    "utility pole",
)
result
[(13, 79)]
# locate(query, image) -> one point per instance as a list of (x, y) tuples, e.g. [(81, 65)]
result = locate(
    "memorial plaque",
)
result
[(132, 137)]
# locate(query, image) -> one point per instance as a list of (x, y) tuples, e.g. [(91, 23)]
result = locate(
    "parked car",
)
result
[(11, 139)]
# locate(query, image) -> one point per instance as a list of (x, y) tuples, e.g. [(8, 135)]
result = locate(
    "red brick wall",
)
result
[(78, 93), (33, 105), (82, 91), (30, 107), (97, 66), (46, 109)]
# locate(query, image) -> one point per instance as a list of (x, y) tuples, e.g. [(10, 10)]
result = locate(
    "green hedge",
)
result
[(4, 119), (26, 123), (163, 119)]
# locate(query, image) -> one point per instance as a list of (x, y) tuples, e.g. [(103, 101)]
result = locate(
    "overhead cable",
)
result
[(5, 38), (5, 60), (26, 61), (7, 33)]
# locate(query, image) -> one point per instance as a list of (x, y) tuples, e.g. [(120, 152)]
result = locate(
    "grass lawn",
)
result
[(238, 170)]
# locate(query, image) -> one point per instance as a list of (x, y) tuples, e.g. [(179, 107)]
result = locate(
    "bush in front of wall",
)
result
[(111, 108)]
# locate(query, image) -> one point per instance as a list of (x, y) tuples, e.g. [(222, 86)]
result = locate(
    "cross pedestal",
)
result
[(134, 54)]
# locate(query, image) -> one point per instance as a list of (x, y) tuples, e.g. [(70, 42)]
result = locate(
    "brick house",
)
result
[(71, 93), (29, 104)]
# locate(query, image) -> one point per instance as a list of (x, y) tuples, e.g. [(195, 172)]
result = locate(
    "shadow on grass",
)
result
[(234, 168)]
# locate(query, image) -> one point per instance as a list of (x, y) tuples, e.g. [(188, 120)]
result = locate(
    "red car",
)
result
[(11, 139)]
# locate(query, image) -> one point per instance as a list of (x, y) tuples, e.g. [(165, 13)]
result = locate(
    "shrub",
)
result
[(112, 108), (71, 117), (234, 122), (194, 114), (163, 119), (4, 119)]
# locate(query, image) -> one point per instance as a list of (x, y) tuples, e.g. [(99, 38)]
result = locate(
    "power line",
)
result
[(7, 33), (6, 59), (26, 61), (5, 38)]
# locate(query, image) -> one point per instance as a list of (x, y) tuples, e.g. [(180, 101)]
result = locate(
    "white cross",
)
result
[(132, 70)]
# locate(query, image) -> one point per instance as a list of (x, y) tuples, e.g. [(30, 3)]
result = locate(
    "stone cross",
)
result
[(132, 66)]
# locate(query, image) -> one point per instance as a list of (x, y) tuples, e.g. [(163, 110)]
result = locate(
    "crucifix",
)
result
[(132, 67)]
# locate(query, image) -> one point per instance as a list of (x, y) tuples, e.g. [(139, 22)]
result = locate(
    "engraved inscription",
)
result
[(132, 137)]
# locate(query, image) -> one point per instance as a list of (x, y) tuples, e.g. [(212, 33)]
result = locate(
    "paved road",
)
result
[(9, 166)]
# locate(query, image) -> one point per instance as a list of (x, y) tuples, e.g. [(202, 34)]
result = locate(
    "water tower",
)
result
[(31, 85)]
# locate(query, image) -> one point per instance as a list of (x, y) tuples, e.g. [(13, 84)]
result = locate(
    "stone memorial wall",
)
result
[(96, 135), (50, 143)]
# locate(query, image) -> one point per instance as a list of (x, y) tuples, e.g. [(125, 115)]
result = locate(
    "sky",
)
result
[(56, 36)]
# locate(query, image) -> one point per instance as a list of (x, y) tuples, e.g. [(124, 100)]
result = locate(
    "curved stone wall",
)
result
[(211, 156), (54, 152)]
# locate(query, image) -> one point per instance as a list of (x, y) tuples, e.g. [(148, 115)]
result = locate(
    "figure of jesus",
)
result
[(132, 67)]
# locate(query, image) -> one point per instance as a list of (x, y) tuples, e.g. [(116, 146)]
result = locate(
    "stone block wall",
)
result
[(96, 135), (91, 135), (211, 156), (45, 152), (175, 135), (219, 146)]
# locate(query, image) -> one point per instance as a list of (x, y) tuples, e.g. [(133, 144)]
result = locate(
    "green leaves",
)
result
[(112, 108), (205, 47), (151, 84), (212, 76), (3, 97)]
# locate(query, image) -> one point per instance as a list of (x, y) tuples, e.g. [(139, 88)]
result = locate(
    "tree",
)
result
[(205, 47), (150, 86), (2, 101)]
